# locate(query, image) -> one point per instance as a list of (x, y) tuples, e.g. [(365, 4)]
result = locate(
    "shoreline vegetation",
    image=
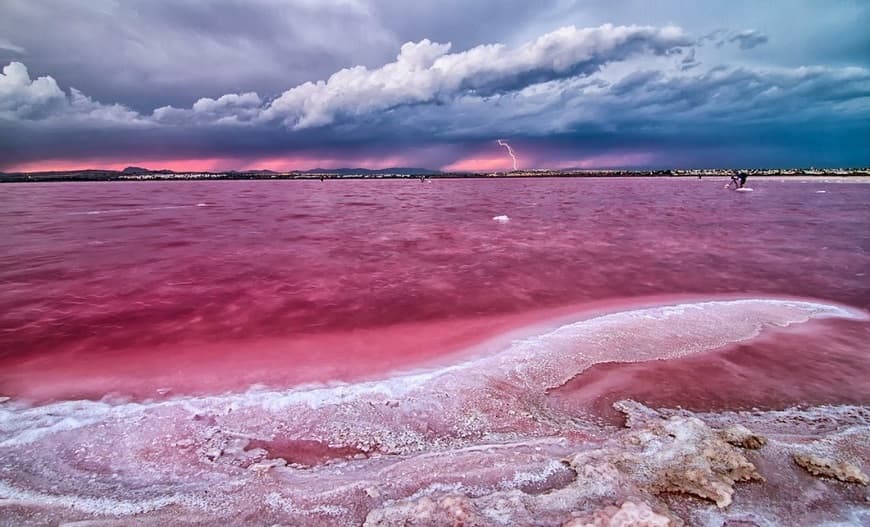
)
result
[(137, 174)]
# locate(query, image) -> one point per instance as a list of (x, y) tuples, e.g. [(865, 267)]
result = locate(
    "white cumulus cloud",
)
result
[(23, 98), (232, 108), (426, 72)]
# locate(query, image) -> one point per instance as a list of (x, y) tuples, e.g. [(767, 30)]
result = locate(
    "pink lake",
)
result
[(197, 287), (324, 299)]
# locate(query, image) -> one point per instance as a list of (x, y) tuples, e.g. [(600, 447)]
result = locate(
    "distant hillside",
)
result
[(140, 170)]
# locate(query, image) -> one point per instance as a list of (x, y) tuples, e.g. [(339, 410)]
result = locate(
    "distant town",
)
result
[(144, 174)]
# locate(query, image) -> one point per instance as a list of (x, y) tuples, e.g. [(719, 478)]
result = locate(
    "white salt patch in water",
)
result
[(134, 209), (502, 218)]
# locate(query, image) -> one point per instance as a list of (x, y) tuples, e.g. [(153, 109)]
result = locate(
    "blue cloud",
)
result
[(748, 39)]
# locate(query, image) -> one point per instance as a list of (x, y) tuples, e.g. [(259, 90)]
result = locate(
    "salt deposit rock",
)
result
[(679, 454), (629, 514), (267, 464), (183, 443), (635, 413), (841, 470), (552, 503), (739, 435), (372, 492), (447, 511)]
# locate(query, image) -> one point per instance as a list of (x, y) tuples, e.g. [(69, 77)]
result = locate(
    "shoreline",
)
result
[(481, 443)]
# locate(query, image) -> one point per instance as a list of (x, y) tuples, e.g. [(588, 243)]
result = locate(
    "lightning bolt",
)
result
[(510, 152)]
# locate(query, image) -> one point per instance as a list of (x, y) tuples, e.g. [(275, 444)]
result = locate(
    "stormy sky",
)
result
[(299, 84)]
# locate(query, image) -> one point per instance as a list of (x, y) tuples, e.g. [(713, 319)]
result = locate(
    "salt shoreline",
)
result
[(475, 443)]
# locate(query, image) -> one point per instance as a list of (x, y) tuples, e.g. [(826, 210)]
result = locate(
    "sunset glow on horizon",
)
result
[(496, 161), (275, 164)]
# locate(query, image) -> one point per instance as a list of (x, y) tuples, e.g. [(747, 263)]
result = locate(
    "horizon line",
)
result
[(425, 170)]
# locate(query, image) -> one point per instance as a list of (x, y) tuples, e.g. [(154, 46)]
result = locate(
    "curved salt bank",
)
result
[(535, 363), (653, 333)]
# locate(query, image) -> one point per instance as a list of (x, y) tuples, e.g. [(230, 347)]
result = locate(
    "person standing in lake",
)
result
[(739, 180)]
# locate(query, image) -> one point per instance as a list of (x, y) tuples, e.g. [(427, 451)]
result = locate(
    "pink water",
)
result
[(201, 286), (436, 320)]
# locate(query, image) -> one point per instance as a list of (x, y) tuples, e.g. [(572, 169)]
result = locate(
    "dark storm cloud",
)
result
[(145, 53), (436, 81), (423, 72), (686, 118)]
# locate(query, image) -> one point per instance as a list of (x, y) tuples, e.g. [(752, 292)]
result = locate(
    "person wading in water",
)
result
[(739, 180)]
